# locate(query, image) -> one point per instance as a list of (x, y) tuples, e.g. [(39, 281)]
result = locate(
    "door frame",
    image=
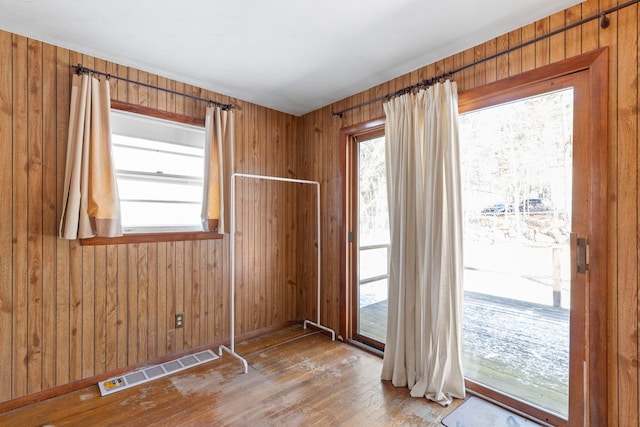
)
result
[(594, 310), (349, 137), (592, 307), (580, 222)]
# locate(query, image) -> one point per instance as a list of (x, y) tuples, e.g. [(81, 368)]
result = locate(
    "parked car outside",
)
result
[(535, 206), (497, 209), (526, 206)]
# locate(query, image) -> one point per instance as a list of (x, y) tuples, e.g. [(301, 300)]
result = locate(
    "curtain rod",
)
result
[(80, 69), (604, 23)]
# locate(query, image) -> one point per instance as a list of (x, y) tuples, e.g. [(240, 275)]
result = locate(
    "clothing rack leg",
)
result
[(236, 355), (317, 322)]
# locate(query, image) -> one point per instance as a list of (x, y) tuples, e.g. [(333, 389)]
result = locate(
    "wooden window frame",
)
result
[(168, 236)]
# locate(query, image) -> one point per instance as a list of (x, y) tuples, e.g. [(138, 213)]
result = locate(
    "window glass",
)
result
[(159, 168)]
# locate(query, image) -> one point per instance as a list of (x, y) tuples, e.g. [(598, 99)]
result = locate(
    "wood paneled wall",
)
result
[(319, 135), (70, 312)]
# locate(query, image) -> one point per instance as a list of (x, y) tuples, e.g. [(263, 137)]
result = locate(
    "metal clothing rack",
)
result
[(232, 231)]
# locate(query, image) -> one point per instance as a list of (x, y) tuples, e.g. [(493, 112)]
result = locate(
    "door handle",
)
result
[(582, 254)]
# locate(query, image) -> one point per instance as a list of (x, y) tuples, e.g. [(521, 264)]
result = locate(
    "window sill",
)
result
[(152, 238)]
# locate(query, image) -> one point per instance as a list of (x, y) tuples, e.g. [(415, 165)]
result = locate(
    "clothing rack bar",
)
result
[(604, 23), (80, 70), (232, 231)]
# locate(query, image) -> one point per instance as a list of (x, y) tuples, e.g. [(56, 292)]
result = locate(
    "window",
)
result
[(159, 161), (159, 169)]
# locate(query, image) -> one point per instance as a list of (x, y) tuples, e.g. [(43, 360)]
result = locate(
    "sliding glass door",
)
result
[(517, 163), (372, 240), (533, 162), (368, 233), (534, 155)]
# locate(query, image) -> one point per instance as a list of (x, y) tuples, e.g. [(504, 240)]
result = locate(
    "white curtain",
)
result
[(91, 206), (218, 167), (423, 346)]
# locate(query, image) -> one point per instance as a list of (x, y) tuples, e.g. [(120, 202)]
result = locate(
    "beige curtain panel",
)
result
[(218, 168), (424, 332), (91, 206)]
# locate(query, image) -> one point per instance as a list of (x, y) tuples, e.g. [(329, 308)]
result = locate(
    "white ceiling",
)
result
[(290, 55)]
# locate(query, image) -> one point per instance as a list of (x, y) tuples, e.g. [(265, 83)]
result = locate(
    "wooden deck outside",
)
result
[(373, 320), (296, 377), (518, 347)]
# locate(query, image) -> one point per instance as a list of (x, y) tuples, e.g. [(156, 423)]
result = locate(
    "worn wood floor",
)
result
[(296, 377)]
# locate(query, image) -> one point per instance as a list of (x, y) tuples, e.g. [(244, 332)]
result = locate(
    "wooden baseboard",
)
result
[(87, 382)]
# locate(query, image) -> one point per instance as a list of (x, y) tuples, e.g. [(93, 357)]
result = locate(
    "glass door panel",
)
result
[(517, 187), (372, 240)]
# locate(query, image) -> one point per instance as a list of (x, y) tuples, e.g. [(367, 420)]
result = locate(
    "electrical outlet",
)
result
[(179, 320)]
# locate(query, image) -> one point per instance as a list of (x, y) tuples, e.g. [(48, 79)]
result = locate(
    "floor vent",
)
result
[(150, 373)]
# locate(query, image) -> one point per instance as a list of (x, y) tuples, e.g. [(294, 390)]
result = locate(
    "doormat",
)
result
[(476, 412)]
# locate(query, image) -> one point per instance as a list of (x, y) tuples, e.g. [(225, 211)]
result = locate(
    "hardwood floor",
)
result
[(296, 377)]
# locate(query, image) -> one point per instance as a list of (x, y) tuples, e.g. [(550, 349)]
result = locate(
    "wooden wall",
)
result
[(69, 312), (319, 134)]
